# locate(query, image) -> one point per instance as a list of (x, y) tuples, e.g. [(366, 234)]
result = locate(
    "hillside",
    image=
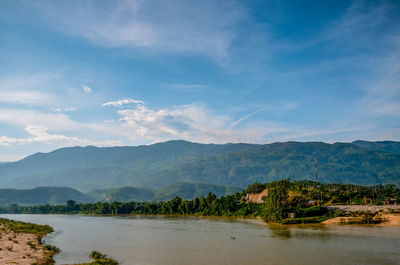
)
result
[(89, 168), (60, 195), (162, 164), (184, 190), (41, 195), (385, 146), (339, 162), (123, 194)]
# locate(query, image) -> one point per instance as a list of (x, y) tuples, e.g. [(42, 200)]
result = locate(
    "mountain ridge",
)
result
[(161, 164), (60, 195)]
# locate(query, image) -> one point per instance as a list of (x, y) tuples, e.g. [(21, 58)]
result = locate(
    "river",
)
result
[(143, 240)]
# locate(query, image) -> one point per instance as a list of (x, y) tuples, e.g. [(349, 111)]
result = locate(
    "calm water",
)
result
[(180, 241)]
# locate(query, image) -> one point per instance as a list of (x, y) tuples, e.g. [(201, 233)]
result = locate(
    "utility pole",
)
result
[(316, 167)]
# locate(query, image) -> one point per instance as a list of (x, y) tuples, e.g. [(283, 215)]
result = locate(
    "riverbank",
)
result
[(21, 243), (379, 219)]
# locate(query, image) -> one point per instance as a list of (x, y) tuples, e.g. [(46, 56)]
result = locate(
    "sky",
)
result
[(112, 73)]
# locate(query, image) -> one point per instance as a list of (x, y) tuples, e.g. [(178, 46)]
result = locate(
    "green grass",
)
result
[(100, 259), (22, 227), (40, 230)]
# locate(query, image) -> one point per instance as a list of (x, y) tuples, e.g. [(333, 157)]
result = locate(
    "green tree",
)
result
[(276, 201)]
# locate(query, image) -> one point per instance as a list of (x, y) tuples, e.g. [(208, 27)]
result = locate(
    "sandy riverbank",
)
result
[(22, 248), (387, 220)]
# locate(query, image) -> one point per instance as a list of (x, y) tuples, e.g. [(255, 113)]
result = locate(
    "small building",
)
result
[(311, 203), (390, 201), (368, 201), (292, 215)]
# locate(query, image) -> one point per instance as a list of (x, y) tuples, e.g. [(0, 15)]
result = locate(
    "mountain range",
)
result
[(60, 195), (238, 165)]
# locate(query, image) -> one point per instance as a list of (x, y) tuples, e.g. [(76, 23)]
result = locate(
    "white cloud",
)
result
[(204, 27), (121, 102), (67, 109), (383, 96), (27, 89), (24, 97), (21, 117), (39, 134), (86, 89), (193, 122)]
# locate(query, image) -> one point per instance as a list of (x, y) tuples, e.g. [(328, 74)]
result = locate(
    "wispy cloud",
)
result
[(192, 122), (23, 117), (383, 96), (27, 89), (197, 27), (187, 87), (86, 89), (39, 134), (25, 97), (67, 109), (121, 102)]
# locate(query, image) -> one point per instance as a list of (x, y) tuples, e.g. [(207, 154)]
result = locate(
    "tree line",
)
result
[(285, 198)]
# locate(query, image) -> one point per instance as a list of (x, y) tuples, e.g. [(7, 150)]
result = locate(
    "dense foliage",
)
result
[(237, 165), (207, 206), (284, 198)]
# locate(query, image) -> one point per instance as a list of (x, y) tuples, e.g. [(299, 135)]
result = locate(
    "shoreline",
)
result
[(21, 243), (384, 218)]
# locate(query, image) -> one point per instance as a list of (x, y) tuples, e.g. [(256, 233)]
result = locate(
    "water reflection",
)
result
[(280, 232)]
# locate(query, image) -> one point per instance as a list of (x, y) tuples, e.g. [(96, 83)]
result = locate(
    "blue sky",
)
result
[(111, 73)]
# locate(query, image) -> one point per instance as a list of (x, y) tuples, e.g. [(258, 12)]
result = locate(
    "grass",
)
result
[(100, 259), (39, 230), (22, 227), (304, 220)]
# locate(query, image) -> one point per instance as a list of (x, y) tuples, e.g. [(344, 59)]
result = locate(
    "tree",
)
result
[(71, 203), (276, 201)]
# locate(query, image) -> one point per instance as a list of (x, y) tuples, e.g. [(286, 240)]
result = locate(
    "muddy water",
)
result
[(166, 240)]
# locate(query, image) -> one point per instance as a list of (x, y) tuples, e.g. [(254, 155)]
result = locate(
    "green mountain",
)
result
[(162, 164), (60, 195), (339, 162), (88, 168), (183, 190), (123, 194), (41, 195), (385, 146)]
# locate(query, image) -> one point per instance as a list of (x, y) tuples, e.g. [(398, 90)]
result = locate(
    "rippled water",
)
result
[(194, 240)]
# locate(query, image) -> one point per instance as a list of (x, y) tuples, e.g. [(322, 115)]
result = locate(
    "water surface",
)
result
[(194, 240)]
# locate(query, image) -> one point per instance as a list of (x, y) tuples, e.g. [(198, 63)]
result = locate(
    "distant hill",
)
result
[(89, 168), (60, 195), (162, 164), (385, 146), (41, 195), (339, 162), (123, 194), (183, 190)]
